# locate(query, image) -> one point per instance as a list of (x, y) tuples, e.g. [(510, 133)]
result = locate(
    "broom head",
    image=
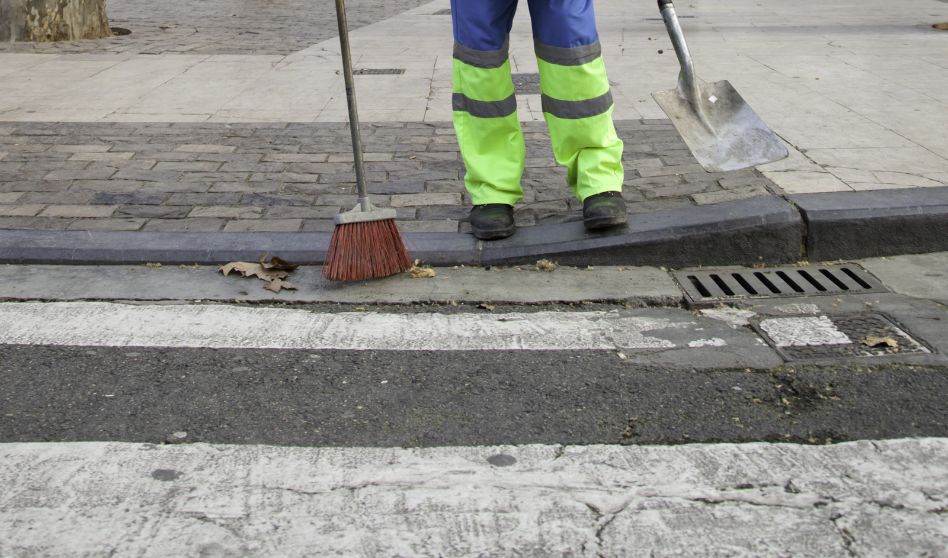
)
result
[(365, 244)]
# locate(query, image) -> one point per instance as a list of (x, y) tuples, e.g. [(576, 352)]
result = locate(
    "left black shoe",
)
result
[(604, 210)]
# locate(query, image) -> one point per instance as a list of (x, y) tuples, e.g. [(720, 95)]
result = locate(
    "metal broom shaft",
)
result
[(352, 106)]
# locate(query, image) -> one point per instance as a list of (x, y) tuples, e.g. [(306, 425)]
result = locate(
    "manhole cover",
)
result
[(712, 286), (837, 336), (379, 71), (526, 84)]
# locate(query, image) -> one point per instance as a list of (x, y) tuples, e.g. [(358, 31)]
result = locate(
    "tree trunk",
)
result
[(53, 20)]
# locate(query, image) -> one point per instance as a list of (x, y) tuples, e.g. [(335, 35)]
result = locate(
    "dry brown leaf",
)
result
[(546, 265), (421, 272), (153, 265), (488, 307), (276, 263), (875, 342), (248, 269), (277, 284)]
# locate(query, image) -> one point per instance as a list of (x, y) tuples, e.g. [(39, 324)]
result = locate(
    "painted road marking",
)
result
[(244, 500), (804, 331), (241, 327)]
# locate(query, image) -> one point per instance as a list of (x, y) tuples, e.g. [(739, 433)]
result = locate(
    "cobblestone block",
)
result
[(107, 224), (318, 225), (428, 226), (299, 158), (152, 211), (58, 197), (397, 187), (147, 175), (676, 169), (406, 200), (730, 195), (444, 186), (90, 174), (20, 210), (178, 187), (250, 166), (184, 225), (107, 156), (78, 211), (440, 213), (34, 223), (205, 148), (203, 199), (367, 157), (10, 197), (258, 187), (742, 181), (197, 166), (120, 198), (277, 199), (346, 177), (284, 177), (105, 186), (675, 190), (296, 212), (224, 212), (86, 148), (264, 225), (348, 200), (33, 186)]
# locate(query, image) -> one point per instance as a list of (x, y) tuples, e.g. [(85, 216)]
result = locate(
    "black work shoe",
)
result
[(492, 221), (604, 210)]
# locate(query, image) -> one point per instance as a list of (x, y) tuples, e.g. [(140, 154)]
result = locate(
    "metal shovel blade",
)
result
[(730, 136)]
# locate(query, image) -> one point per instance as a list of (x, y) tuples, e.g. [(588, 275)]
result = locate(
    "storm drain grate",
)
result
[(526, 84), (720, 285), (379, 71), (837, 336)]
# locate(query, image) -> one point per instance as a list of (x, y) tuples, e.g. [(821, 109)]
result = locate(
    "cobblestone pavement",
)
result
[(292, 177), (222, 26)]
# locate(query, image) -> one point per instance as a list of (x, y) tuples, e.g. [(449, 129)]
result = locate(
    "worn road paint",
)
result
[(119, 325), (882, 498), (804, 331)]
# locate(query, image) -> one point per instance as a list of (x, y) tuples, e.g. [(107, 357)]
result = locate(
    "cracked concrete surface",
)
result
[(853, 499)]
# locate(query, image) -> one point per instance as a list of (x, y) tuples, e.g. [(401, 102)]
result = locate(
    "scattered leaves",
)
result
[(153, 265), (546, 265), (877, 342), (488, 307)]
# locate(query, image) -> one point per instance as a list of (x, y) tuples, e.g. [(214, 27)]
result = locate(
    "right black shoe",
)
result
[(492, 221)]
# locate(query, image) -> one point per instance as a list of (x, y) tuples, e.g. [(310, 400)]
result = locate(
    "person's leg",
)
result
[(577, 103), (485, 108)]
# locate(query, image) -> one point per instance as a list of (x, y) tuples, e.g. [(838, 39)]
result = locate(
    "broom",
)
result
[(365, 242)]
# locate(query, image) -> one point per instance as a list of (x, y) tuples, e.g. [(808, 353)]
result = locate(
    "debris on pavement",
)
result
[(153, 265), (421, 272), (273, 271), (878, 342), (547, 265), (488, 307)]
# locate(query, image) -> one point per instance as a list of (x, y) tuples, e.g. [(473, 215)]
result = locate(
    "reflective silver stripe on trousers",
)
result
[(484, 109), (482, 58), (577, 109), (575, 56)]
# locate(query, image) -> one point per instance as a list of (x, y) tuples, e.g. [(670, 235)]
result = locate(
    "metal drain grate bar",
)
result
[(715, 285)]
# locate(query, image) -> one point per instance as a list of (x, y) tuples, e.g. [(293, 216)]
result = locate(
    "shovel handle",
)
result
[(667, 7)]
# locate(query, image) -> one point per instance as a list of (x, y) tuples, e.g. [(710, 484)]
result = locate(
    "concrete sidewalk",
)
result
[(232, 128)]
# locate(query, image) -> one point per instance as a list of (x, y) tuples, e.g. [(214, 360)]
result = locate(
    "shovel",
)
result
[(721, 129)]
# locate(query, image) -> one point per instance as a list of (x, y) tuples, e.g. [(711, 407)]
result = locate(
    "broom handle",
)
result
[(353, 109)]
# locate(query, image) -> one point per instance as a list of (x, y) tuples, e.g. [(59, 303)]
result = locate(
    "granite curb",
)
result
[(758, 230)]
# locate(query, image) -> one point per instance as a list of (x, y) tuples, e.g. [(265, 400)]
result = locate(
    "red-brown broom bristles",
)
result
[(367, 250)]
